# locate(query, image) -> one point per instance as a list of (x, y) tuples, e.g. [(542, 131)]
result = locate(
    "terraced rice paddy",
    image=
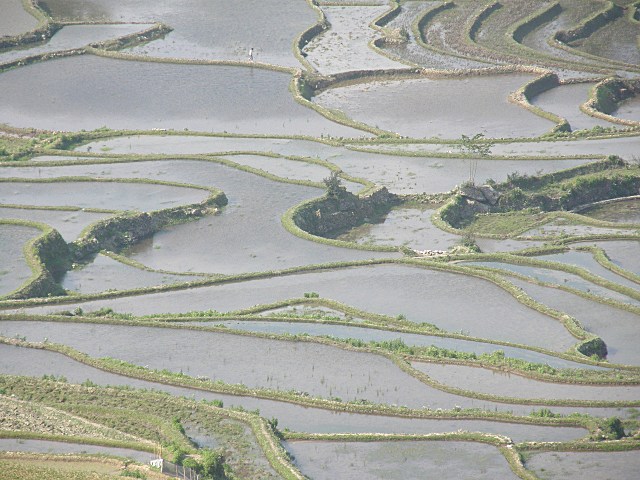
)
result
[(227, 235)]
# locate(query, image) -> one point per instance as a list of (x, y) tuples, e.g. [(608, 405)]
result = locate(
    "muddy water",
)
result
[(388, 289), (366, 334), (504, 384), (407, 226), (74, 36), (144, 95), (282, 167), (489, 245), (345, 46), (69, 223), (246, 236), (616, 327), (561, 278), (565, 101), (405, 175), (15, 20), (105, 273), (25, 361), (14, 270), (423, 108), (45, 446), (115, 195), (603, 465), (560, 228), (398, 460), (619, 212)]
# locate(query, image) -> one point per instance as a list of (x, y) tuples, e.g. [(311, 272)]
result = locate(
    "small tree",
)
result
[(473, 147), (334, 185)]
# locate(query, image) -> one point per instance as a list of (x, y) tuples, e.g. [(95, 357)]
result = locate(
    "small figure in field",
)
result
[(251, 54)]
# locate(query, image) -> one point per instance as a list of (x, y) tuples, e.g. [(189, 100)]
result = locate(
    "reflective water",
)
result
[(565, 101), (14, 270), (144, 95), (46, 446), (105, 273), (423, 108), (420, 295), (25, 361), (69, 223), (509, 385), (617, 327), (115, 195)]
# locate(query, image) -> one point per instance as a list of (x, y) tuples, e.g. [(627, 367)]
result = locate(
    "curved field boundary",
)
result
[(523, 96), (563, 39), (264, 434), (504, 444), (607, 95), (538, 19), (45, 29), (301, 398), (47, 255), (590, 25), (155, 31), (309, 34), (476, 22), (496, 277)]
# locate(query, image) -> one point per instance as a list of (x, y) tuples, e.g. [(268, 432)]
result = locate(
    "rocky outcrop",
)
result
[(333, 214)]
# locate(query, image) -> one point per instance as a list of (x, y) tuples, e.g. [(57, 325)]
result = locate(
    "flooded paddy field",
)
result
[(17, 361), (409, 107), (119, 196), (406, 175), (225, 357), (203, 30), (616, 326), (504, 384), (619, 212), (629, 110), (404, 226), (47, 446), (74, 36), (559, 277), (232, 97), (346, 46), (104, 273), (557, 465), (14, 270), (624, 253), (369, 334), (15, 20), (565, 101), (69, 223), (398, 460), (119, 94), (386, 289)]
